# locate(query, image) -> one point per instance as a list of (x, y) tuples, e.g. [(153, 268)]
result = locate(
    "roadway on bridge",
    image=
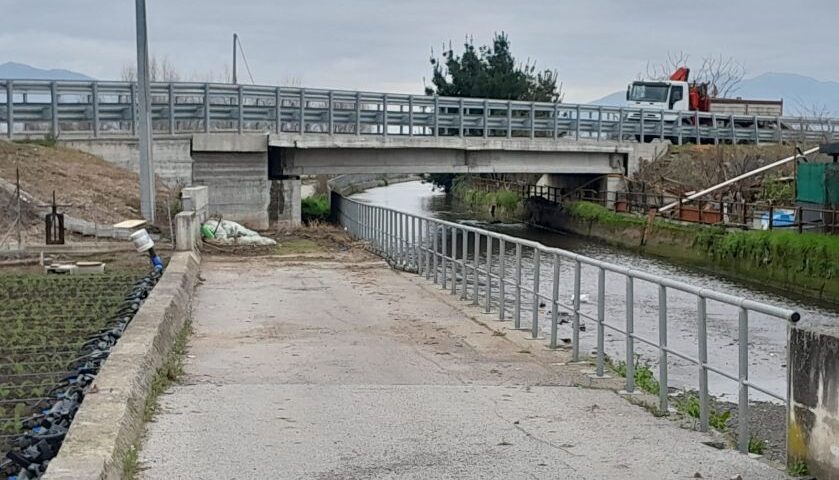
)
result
[(344, 369)]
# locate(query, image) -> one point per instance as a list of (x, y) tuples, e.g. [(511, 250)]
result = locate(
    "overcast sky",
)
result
[(597, 46)]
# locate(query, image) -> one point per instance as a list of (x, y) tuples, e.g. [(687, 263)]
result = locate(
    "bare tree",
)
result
[(722, 74), (159, 71)]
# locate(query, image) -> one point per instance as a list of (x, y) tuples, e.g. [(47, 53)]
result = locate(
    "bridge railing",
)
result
[(516, 277), (73, 109)]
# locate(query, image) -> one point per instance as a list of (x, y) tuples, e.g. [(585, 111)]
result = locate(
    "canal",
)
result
[(767, 335)]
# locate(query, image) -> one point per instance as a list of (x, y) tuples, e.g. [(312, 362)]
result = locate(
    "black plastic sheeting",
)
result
[(45, 431)]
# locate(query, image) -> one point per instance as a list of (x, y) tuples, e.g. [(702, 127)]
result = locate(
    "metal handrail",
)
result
[(420, 244), (104, 108)]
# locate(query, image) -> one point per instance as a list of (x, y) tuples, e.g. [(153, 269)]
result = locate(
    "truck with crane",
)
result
[(677, 98)]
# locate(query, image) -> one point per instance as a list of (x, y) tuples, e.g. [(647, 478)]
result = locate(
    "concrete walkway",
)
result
[(342, 370)]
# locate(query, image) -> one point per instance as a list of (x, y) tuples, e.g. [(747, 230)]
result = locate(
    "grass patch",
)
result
[(644, 377), (798, 468), (315, 208), (131, 463), (812, 254), (593, 212), (756, 446), (169, 373), (297, 246), (688, 405)]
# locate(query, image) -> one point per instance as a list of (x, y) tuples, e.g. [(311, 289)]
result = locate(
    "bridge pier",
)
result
[(235, 168)]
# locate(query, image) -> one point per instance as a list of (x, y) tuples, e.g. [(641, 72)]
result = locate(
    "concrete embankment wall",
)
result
[(110, 419), (814, 397), (346, 185), (172, 160)]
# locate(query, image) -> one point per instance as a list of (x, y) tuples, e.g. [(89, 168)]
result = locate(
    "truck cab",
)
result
[(663, 95)]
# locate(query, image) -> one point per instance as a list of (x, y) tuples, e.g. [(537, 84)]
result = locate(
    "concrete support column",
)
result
[(291, 214), (614, 183)]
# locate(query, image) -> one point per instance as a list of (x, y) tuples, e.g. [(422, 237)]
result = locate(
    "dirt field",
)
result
[(97, 190)]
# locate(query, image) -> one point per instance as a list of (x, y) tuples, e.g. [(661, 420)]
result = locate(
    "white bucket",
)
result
[(142, 240)]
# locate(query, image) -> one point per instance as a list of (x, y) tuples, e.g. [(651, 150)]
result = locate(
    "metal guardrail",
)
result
[(66, 109), (430, 247)]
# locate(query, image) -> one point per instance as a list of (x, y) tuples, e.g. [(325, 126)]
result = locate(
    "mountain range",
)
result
[(21, 71), (802, 95)]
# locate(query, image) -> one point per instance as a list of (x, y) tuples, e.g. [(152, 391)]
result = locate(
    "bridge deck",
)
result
[(345, 369)]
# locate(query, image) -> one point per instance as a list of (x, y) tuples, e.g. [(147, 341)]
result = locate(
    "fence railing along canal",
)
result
[(486, 267)]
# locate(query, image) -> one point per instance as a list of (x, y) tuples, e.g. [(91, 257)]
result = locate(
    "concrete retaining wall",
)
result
[(813, 434), (345, 185), (172, 160), (110, 419)]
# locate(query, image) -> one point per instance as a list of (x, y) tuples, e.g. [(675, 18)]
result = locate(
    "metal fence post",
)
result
[(555, 301), (534, 324), (302, 127), (599, 121), (464, 266), (454, 261), (171, 108), (54, 109), (400, 219), (577, 133), (509, 119), (501, 294), (642, 126), (95, 102), (488, 300), (420, 247), (460, 117), (556, 121), (532, 119), (415, 242), (601, 317), (757, 130), (10, 108), (443, 263), (743, 436), (630, 340), (702, 335), (384, 115), (435, 254), (133, 109), (278, 109), (331, 113), (575, 325), (662, 349), (410, 115), (358, 113), (436, 116), (486, 118), (517, 303), (661, 125), (240, 98), (620, 124), (476, 266)]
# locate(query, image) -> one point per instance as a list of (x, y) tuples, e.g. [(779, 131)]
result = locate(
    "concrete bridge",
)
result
[(250, 144)]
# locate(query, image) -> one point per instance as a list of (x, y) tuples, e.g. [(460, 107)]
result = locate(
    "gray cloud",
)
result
[(597, 46)]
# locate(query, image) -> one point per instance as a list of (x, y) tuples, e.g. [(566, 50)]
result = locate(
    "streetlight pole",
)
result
[(143, 119), (235, 41)]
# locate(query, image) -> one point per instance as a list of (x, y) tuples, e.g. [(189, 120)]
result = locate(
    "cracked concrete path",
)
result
[(342, 370)]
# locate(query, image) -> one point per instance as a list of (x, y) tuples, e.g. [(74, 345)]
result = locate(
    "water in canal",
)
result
[(767, 335)]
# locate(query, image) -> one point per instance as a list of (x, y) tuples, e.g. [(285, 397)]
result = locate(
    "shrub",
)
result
[(315, 208)]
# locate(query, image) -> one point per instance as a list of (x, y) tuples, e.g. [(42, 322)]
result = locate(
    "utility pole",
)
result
[(235, 41), (143, 119)]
